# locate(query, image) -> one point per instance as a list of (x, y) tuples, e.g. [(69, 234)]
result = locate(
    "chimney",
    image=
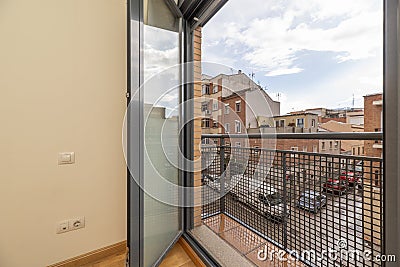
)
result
[(239, 71)]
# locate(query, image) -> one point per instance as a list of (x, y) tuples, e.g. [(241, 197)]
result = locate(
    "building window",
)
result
[(238, 127), (227, 127), (215, 88), (336, 144), (313, 123), (204, 106), (237, 106), (226, 108), (300, 123), (376, 178), (205, 123), (280, 123), (363, 152), (323, 145), (315, 149), (359, 150), (206, 89), (215, 104), (305, 148), (256, 150), (205, 141), (294, 148), (330, 144), (354, 150), (238, 144)]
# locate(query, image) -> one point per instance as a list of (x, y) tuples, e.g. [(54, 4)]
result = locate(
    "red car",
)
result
[(351, 177), (335, 186)]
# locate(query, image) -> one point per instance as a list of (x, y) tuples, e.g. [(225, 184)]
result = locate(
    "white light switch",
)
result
[(66, 158)]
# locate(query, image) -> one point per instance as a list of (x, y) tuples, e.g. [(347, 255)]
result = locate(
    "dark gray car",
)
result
[(311, 201)]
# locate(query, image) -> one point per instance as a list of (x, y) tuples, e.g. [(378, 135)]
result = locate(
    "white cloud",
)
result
[(284, 71), (270, 34), (281, 37)]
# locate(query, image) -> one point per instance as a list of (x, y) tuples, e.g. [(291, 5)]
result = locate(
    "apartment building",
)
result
[(347, 147), (232, 103), (355, 117), (290, 123), (211, 93), (345, 115), (373, 122)]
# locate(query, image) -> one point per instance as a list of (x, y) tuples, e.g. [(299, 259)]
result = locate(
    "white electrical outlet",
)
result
[(63, 227), (77, 223), (70, 225)]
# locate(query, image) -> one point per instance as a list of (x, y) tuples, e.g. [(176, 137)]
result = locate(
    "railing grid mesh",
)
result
[(306, 204)]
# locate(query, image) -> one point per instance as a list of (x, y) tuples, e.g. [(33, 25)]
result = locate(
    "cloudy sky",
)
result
[(312, 52)]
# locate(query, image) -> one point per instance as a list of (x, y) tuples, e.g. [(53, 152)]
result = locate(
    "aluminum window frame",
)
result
[(391, 123)]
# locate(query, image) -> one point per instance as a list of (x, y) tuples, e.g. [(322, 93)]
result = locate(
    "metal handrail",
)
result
[(319, 135)]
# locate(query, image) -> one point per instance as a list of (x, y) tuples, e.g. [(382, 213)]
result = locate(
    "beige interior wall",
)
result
[(62, 84)]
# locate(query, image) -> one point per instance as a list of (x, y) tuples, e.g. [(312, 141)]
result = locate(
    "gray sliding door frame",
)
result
[(391, 131), (135, 214)]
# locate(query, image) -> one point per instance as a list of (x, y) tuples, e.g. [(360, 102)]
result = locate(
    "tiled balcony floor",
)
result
[(246, 242)]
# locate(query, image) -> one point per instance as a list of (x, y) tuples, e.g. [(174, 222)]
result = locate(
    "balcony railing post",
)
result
[(222, 174), (284, 172)]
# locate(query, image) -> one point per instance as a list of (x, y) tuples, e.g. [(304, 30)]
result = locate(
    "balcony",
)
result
[(289, 208)]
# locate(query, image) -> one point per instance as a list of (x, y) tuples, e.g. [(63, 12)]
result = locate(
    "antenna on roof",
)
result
[(278, 95), (353, 101), (252, 75)]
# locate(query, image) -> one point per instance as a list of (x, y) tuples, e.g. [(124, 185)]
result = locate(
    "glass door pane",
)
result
[(153, 131), (161, 116)]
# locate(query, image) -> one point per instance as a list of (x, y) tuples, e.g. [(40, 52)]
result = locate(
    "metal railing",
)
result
[(308, 204)]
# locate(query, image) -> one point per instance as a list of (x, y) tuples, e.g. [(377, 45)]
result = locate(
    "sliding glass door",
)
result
[(153, 118)]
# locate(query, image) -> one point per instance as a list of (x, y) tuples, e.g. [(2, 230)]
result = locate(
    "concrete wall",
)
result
[(259, 104), (62, 79), (235, 83), (357, 120)]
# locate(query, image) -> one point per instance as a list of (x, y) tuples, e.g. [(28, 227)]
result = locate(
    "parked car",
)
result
[(311, 200), (352, 178), (335, 186), (261, 197)]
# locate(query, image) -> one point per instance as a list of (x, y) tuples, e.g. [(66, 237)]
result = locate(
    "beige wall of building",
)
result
[(63, 83), (258, 103), (349, 147), (290, 121)]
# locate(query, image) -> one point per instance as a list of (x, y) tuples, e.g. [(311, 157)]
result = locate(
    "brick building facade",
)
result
[(373, 123)]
